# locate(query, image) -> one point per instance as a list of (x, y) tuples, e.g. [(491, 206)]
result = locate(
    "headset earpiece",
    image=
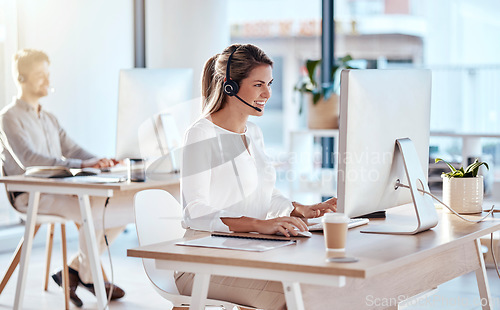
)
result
[(230, 87), (20, 78)]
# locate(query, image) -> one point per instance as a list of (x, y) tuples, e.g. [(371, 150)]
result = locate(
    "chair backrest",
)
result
[(4, 145), (158, 218)]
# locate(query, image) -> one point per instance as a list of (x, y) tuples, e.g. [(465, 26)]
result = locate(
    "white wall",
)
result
[(462, 32), (184, 34), (480, 33), (8, 19), (261, 10), (88, 42)]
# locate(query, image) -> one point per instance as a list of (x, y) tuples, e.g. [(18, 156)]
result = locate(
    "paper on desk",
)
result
[(233, 243), (95, 179)]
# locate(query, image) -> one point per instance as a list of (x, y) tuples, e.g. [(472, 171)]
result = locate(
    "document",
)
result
[(95, 179), (238, 243)]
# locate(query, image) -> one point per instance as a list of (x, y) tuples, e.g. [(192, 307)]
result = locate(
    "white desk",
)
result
[(36, 186), (389, 265)]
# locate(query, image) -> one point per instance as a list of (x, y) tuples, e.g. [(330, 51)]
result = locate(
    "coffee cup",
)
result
[(335, 232)]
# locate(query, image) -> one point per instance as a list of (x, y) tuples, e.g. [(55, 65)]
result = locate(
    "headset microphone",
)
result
[(248, 104), (231, 88)]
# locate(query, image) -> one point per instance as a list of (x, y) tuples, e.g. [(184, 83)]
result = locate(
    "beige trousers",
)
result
[(119, 213), (259, 294)]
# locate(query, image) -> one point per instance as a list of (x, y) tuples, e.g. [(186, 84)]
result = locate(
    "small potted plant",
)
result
[(323, 101), (463, 188)]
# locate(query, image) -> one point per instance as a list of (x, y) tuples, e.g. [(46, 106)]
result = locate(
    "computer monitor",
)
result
[(160, 144), (142, 94), (383, 138)]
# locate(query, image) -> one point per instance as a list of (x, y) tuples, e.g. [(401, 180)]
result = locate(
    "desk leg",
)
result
[(26, 250), (293, 296), (482, 279), (90, 239), (200, 291)]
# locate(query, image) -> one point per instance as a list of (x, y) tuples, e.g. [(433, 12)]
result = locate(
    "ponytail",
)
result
[(209, 89)]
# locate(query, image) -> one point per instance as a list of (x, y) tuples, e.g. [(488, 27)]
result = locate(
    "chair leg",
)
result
[(65, 266), (48, 253), (15, 261), (104, 274)]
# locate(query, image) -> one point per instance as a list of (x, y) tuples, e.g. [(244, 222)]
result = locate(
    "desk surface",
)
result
[(122, 186), (376, 253)]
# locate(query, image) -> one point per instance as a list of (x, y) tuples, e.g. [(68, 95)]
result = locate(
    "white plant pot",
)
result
[(464, 195)]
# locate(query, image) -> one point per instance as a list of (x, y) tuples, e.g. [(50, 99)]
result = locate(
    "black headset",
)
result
[(231, 88)]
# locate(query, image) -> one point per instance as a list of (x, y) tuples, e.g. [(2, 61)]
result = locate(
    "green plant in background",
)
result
[(309, 83), (469, 172)]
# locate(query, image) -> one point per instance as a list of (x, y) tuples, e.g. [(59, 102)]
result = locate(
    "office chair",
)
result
[(158, 218), (41, 219), (51, 220)]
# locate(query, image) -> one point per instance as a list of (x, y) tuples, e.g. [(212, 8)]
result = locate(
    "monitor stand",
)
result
[(162, 168), (424, 207)]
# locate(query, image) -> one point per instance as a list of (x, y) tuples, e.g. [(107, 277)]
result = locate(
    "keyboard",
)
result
[(116, 168), (318, 226)]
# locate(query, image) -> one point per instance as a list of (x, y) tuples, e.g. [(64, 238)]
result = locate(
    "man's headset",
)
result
[(230, 87), (20, 78)]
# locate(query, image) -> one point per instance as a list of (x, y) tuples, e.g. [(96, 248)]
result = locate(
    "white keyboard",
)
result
[(352, 223)]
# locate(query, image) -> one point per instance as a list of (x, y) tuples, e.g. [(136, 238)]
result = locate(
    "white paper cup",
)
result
[(335, 231)]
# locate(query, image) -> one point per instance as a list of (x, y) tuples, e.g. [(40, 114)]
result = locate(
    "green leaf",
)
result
[(316, 97), (473, 169), (473, 166), (470, 172), (310, 83), (346, 58), (311, 69), (449, 165)]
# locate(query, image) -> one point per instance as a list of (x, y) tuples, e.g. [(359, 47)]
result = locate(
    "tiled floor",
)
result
[(458, 294)]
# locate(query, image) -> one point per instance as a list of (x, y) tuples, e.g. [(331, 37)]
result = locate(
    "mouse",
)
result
[(306, 233)]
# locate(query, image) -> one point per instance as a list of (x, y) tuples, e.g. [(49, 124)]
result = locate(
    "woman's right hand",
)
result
[(285, 225)]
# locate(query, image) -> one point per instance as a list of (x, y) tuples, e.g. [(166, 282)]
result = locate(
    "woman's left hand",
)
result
[(316, 210)]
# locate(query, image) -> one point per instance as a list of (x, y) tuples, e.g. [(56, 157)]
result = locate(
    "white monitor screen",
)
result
[(142, 94), (377, 107)]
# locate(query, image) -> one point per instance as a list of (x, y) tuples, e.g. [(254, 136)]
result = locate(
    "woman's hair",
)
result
[(244, 60), (23, 61)]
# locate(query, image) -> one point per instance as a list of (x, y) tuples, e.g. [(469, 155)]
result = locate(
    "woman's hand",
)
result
[(285, 225), (316, 210)]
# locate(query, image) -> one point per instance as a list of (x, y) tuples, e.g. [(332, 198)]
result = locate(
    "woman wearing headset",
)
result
[(227, 181)]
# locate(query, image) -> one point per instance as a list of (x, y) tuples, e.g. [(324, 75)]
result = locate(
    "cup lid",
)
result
[(334, 217)]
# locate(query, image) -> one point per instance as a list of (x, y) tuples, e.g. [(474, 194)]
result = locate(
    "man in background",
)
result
[(37, 139)]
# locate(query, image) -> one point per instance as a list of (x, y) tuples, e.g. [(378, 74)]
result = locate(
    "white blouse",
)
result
[(221, 178)]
